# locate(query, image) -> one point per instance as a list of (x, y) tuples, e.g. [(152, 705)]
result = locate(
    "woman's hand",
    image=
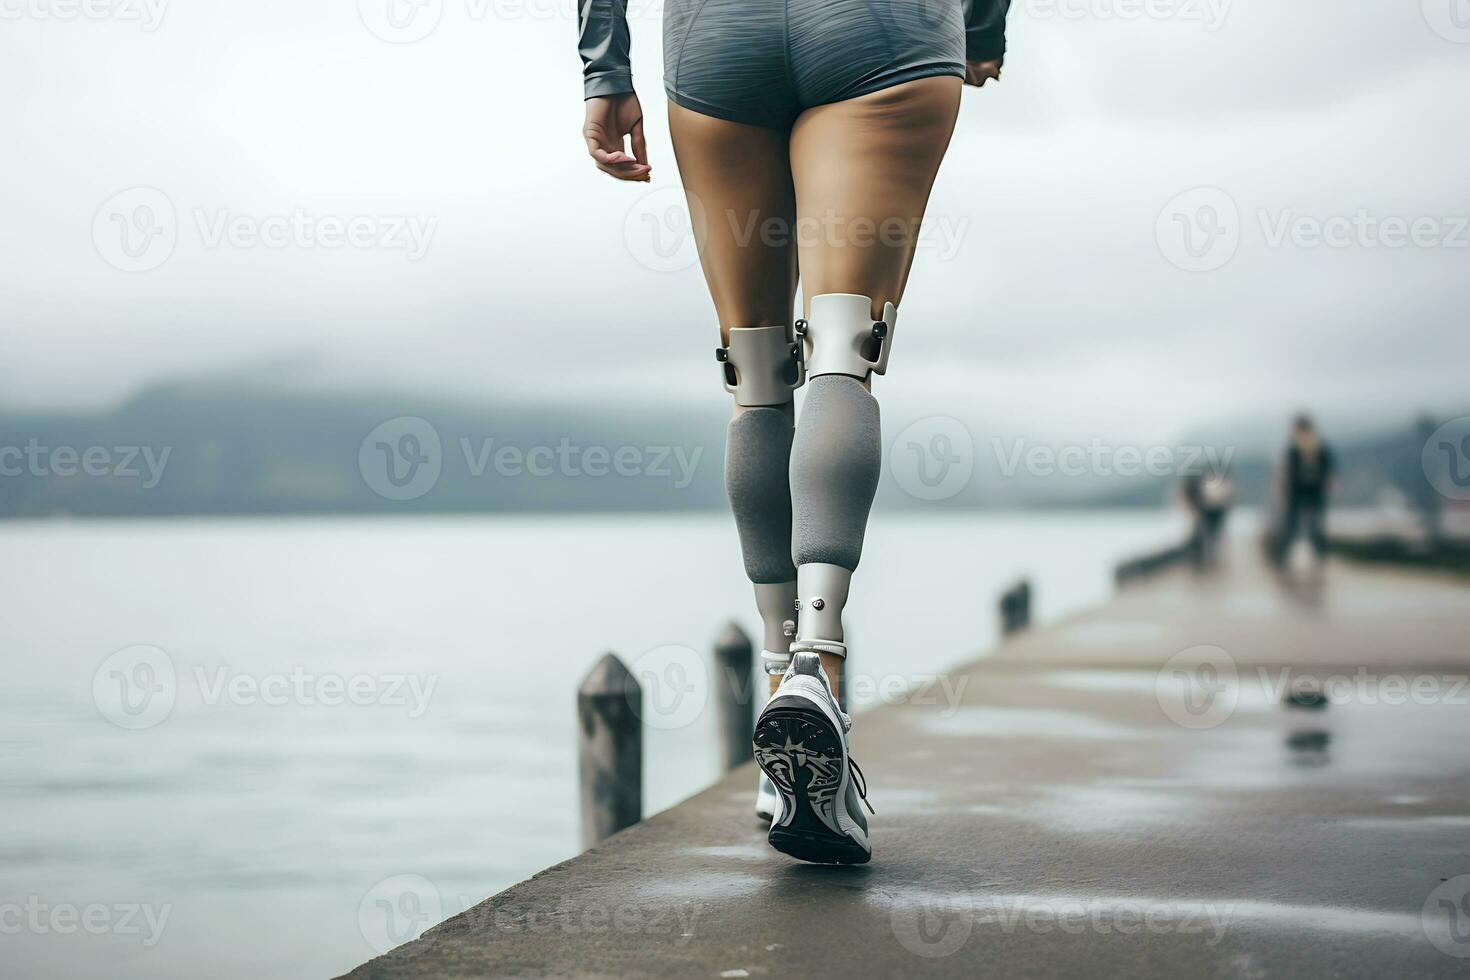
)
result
[(608, 121), (977, 73)]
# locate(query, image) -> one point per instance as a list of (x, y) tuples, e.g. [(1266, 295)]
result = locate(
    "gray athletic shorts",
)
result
[(763, 62)]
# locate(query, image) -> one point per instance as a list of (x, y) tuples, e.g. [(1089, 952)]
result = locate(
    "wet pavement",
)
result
[(1228, 775)]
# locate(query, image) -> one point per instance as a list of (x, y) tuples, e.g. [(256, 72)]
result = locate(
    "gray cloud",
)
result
[(1058, 310)]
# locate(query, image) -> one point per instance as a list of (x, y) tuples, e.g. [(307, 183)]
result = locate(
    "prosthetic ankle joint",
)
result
[(777, 606)]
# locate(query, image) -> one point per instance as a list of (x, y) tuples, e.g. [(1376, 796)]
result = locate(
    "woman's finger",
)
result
[(617, 163), (640, 147), (623, 169), (611, 158), (640, 175)]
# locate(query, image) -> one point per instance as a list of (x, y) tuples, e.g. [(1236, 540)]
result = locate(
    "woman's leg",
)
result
[(863, 170), (742, 204), (738, 177)]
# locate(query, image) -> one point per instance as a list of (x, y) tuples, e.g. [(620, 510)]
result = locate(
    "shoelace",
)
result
[(861, 782)]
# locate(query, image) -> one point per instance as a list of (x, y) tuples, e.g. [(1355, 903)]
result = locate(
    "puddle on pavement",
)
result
[(998, 722), (1429, 823), (1251, 606), (735, 852), (1132, 680), (1407, 601), (987, 810), (1111, 632), (1208, 917), (699, 884), (1105, 809)]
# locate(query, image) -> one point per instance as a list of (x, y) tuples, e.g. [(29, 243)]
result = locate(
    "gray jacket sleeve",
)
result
[(985, 29), (604, 47)]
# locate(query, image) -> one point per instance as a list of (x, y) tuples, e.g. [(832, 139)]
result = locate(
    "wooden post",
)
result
[(610, 755), (734, 667), (1015, 608)]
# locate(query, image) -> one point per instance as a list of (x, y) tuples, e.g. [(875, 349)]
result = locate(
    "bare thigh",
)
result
[(742, 204), (863, 170)]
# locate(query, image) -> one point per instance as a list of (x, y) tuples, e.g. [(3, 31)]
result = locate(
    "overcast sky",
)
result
[(493, 261)]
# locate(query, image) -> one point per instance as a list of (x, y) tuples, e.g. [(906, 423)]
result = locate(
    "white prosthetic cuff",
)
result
[(840, 336), (762, 365)]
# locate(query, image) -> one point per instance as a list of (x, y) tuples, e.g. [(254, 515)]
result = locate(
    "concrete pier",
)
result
[(1132, 792)]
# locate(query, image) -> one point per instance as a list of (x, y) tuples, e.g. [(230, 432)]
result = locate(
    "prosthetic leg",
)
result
[(835, 460), (763, 367), (801, 735)]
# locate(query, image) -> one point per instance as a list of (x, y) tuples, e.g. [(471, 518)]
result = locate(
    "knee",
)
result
[(750, 311)]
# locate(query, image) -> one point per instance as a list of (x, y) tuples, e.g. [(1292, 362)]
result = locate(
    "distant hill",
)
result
[(274, 452), (193, 448)]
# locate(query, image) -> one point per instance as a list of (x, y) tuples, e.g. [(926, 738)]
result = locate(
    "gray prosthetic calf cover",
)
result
[(835, 462), (757, 457)]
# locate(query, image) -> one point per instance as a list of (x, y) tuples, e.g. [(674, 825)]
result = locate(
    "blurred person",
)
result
[(1209, 497), (808, 135), (1308, 469)]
